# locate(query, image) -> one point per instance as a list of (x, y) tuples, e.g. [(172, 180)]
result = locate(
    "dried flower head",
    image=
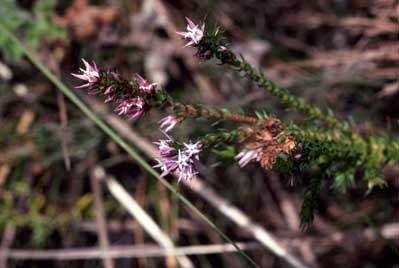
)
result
[(265, 144)]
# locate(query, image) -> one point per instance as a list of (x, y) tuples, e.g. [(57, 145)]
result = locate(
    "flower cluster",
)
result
[(129, 98), (132, 107), (134, 98), (181, 160), (266, 144)]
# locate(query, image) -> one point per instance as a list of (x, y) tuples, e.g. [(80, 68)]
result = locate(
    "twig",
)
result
[(389, 231), (165, 215), (95, 178), (123, 252), (131, 225), (8, 237), (141, 216), (64, 124), (140, 196)]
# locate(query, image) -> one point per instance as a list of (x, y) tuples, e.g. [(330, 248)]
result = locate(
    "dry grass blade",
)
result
[(8, 237), (95, 180), (140, 215), (123, 252)]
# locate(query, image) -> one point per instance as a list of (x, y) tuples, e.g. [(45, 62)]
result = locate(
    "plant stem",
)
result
[(283, 94), (199, 111)]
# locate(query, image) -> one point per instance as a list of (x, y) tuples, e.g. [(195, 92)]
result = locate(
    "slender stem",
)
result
[(191, 111), (225, 137), (283, 94), (115, 137)]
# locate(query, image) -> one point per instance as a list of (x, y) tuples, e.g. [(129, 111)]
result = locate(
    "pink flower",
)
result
[(194, 33), (144, 85), (109, 99), (169, 122), (222, 49), (193, 149), (246, 156), (185, 166), (91, 74), (133, 107), (166, 165), (115, 76), (183, 161), (165, 148), (109, 90), (168, 153)]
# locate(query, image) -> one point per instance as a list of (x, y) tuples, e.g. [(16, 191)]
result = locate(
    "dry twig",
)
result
[(95, 179), (141, 216), (122, 252)]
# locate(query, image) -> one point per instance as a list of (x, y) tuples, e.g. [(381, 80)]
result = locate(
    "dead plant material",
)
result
[(84, 20), (25, 122), (4, 172), (270, 136)]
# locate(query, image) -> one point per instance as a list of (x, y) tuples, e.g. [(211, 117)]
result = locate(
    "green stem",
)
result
[(199, 111), (224, 137), (116, 138), (283, 94)]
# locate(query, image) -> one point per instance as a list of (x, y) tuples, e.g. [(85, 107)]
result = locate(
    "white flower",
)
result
[(192, 149), (185, 166), (194, 32)]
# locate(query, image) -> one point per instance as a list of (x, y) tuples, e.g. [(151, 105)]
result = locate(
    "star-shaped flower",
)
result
[(90, 74), (194, 32)]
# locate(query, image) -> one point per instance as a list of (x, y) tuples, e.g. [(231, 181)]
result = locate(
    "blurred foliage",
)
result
[(22, 206), (36, 26)]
